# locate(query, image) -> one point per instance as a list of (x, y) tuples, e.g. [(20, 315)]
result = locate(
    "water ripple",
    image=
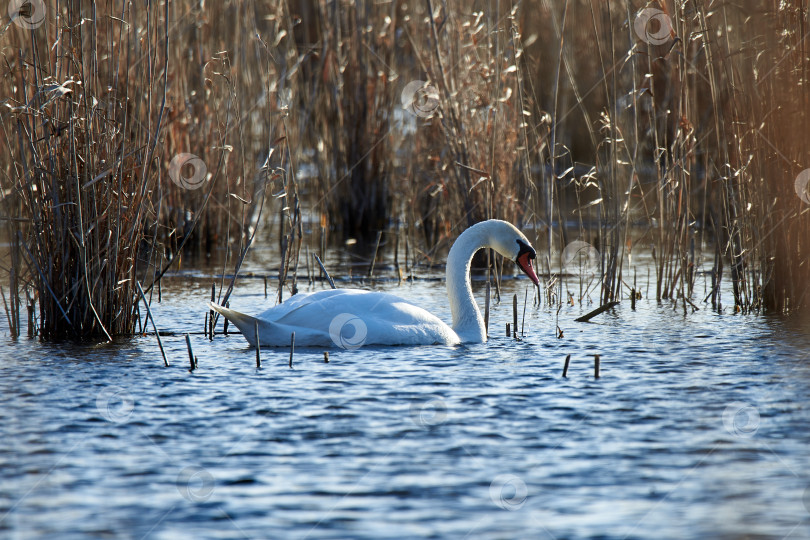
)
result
[(697, 427)]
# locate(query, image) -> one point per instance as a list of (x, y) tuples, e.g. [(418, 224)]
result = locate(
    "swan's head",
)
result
[(513, 244)]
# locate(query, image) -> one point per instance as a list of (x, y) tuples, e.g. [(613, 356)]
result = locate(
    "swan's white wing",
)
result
[(299, 300)]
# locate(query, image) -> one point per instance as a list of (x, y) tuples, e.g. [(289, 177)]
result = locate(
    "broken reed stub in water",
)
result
[(565, 366), (31, 324), (601, 309), (514, 317), (211, 318), (258, 345), (508, 334), (225, 323), (191, 359), (596, 366), (325, 357), (633, 299), (523, 321), (292, 347), (486, 310)]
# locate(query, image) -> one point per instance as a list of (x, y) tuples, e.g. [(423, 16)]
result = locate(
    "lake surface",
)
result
[(697, 428)]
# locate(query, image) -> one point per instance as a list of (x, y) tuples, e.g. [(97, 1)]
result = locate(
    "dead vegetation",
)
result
[(630, 126)]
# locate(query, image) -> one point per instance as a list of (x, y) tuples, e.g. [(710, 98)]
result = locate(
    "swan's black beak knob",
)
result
[(525, 256)]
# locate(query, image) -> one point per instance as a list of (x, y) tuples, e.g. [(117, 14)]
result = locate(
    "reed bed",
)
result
[(100, 100), (137, 136)]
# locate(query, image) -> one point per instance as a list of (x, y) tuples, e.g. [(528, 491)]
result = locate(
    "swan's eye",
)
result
[(524, 248)]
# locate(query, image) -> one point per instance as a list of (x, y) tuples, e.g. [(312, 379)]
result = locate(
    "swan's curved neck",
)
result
[(467, 320)]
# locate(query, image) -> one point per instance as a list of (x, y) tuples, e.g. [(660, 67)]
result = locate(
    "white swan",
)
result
[(350, 318)]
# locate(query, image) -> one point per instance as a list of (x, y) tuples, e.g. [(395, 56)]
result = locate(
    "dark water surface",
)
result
[(698, 428)]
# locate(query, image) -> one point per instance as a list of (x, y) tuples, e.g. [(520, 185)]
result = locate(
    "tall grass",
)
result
[(98, 100), (696, 143), (410, 119), (80, 135)]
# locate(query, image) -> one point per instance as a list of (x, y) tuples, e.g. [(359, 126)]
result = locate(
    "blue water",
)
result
[(697, 428)]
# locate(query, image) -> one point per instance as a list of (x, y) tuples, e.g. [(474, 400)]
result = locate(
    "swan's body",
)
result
[(347, 318), (350, 318)]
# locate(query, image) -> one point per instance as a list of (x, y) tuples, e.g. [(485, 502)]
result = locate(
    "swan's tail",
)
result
[(245, 323)]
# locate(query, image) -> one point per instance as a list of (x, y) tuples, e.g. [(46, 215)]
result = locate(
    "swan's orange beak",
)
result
[(524, 261)]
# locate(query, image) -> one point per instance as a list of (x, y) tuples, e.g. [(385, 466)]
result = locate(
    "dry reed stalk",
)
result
[(192, 360), (487, 300), (292, 348), (258, 344), (154, 324)]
